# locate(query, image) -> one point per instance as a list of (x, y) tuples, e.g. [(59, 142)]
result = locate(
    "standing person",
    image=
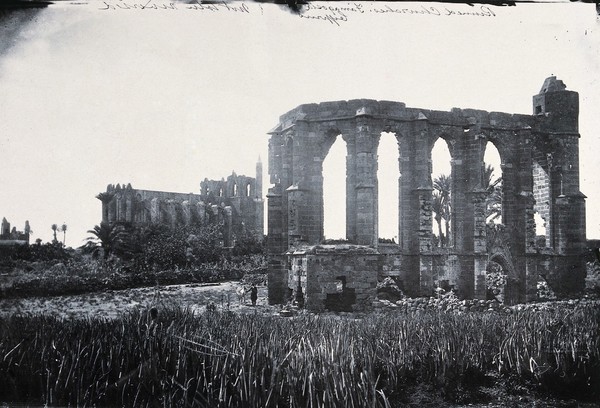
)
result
[(189, 257), (253, 294)]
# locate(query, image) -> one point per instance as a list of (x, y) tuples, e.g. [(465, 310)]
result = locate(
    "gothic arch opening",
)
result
[(388, 174), (491, 182), (502, 281), (543, 203), (441, 172), (334, 191)]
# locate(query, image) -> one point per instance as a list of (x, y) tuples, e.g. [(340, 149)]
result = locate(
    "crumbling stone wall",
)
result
[(236, 203), (334, 277), (548, 139)]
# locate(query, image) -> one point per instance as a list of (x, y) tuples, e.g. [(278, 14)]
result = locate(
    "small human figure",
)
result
[(189, 256), (253, 294)]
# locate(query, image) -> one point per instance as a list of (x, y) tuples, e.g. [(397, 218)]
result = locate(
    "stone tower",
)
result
[(259, 201), (556, 180), (5, 227), (259, 176), (559, 106)]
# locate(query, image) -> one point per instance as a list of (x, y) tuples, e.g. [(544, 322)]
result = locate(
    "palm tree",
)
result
[(63, 228), (443, 184), (437, 207), (54, 228), (107, 237), (493, 202)]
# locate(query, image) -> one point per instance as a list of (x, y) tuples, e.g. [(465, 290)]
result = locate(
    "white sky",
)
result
[(163, 99)]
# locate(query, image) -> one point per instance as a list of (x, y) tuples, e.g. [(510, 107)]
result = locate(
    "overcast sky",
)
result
[(162, 99)]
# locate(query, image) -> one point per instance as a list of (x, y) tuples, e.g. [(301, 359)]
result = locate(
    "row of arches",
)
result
[(538, 169), (388, 157), (244, 191), (334, 191)]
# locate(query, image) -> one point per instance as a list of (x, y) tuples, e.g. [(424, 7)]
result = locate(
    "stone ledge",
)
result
[(339, 249)]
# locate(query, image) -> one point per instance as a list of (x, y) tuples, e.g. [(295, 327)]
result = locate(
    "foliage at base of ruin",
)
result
[(83, 275), (544, 291), (51, 251), (136, 257), (495, 282), (592, 280)]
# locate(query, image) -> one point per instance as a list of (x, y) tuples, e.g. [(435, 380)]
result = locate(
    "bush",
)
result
[(138, 257), (495, 282), (248, 244), (544, 291), (592, 279), (83, 274), (168, 248), (388, 289), (51, 251)]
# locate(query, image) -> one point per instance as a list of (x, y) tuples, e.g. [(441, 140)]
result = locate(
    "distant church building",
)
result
[(11, 237), (236, 203)]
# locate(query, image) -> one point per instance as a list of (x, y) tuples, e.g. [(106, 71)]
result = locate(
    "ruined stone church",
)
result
[(236, 203), (540, 176)]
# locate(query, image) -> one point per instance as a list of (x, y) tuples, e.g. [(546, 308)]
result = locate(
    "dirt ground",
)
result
[(111, 304)]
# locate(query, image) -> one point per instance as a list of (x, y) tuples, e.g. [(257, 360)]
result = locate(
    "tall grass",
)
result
[(219, 359)]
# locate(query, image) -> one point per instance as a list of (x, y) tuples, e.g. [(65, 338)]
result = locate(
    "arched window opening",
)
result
[(441, 172), (334, 191), (221, 192), (492, 184), (235, 190), (541, 240), (541, 194), (387, 180), (248, 190)]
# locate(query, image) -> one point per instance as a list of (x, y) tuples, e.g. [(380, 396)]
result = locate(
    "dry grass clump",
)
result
[(171, 357)]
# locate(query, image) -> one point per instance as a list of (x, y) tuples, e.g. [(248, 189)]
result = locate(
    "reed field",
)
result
[(222, 359)]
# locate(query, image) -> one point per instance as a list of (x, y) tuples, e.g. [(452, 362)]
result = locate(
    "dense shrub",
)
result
[(592, 279), (161, 247), (248, 244), (495, 282), (164, 248), (544, 291), (51, 251), (158, 246), (89, 275)]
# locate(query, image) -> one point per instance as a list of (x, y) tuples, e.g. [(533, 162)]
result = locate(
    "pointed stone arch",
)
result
[(334, 170)]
